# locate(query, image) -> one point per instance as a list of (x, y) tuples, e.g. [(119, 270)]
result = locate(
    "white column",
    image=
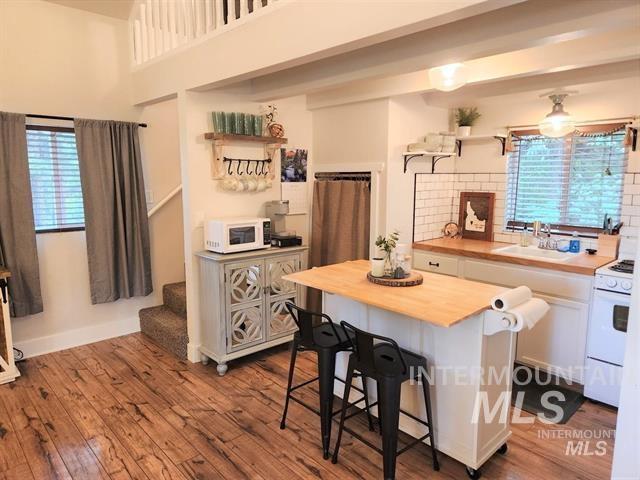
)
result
[(137, 42), (188, 20), (144, 32), (208, 15), (219, 7), (198, 18), (166, 31), (257, 5), (151, 31), (157, 27), (244, 8), (173, 23), (231, 15)]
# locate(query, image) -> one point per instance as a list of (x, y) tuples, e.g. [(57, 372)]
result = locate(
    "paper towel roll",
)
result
[(529, 313), (509, 299)]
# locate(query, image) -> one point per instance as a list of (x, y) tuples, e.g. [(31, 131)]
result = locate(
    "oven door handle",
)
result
[(619, 298)]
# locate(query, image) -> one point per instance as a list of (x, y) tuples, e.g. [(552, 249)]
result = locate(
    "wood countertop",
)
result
[(440, 300), (4, 273), (581, 263)]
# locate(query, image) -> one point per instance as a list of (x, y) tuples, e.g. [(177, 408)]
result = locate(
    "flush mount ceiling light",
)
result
[(448, 77), (558, 123)]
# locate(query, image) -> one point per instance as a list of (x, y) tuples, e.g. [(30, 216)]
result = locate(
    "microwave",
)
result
[(231, 235)]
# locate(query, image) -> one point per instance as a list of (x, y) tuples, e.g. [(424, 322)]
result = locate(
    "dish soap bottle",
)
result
[(574, 243)]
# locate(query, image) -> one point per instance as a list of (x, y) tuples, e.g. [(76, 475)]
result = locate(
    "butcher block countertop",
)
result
[(4, 273), (440, 300), (581, 262)]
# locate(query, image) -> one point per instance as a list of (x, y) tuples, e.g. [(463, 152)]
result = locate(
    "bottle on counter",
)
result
[(574, 243)]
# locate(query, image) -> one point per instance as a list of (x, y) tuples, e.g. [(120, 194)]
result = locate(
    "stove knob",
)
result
[(626, 285), (611, 282)]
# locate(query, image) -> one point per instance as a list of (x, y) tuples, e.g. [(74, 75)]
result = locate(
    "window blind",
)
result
[(570, 181), (55, 179)]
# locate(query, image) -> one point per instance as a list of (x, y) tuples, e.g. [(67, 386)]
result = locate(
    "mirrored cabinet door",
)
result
[(245, 304)]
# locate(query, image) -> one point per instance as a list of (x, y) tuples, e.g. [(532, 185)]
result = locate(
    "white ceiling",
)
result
[(111, 8)]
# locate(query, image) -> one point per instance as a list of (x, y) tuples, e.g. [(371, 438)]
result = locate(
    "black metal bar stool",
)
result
[(381, 359), (326, 339)]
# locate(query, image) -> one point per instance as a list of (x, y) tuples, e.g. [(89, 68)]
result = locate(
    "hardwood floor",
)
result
[(123, 408)]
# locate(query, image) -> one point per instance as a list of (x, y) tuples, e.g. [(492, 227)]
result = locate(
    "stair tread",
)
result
[(174, 296), (166, 328)]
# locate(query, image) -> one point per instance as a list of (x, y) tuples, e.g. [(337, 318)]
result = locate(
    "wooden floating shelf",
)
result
[(245, 138)]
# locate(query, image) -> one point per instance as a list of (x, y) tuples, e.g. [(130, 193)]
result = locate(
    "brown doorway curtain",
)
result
[(339, 226)]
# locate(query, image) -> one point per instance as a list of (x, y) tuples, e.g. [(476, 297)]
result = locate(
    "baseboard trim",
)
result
[(193, 353), (77, 337)]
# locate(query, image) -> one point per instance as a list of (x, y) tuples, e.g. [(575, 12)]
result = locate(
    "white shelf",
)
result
[(430, 154), (501, 138)]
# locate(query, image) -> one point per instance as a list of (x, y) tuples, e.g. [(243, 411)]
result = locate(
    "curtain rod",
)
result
[(630, 118), (71, 119)]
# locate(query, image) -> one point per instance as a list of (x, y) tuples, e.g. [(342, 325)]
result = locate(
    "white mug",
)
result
[(377, 267)]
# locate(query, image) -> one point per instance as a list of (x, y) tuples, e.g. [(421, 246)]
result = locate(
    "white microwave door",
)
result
[(608, 325), (239, 235)]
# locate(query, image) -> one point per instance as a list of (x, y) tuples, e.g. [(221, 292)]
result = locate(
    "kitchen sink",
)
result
[(534, 252)]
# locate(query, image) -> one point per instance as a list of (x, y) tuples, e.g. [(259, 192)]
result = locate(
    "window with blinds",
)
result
[(55, 179), (567, 182)]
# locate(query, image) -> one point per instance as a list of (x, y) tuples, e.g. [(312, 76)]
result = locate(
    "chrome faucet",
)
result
[(544, 239)]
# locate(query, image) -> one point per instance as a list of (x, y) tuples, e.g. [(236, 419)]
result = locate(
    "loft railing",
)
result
[(161, 26)]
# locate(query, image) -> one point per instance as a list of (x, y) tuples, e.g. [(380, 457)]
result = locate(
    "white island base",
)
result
[(462, 356)]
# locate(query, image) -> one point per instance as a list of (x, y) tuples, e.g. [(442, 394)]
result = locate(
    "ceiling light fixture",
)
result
[(448, 77), (558, 123)]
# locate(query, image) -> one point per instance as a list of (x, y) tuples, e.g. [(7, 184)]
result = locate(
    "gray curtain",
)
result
[(339, 226), (115, 209), (18, 251)]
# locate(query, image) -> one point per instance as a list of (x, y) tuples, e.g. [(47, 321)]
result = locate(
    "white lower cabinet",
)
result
[(557, 343), (243, 302)]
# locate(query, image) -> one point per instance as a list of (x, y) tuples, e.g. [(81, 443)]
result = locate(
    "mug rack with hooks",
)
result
[(261, 166), (220, 140)]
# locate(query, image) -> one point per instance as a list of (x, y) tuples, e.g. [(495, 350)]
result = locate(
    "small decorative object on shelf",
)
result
[(270, 112), (388, 245), (377, 267), (465, 118), (451, 230), (476, 215)]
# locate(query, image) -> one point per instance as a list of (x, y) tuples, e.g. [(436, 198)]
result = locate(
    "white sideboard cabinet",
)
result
[(242, 301)]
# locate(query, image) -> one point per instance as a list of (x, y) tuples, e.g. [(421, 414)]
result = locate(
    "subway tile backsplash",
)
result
[(438, 202)]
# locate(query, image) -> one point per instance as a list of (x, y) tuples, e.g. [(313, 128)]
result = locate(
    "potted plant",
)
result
[(465, 118), (387, 245)]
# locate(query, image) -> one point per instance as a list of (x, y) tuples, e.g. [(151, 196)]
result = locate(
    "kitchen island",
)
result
[(449, 321)]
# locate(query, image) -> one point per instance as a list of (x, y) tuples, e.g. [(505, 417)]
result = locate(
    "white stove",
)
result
[(608, 321)]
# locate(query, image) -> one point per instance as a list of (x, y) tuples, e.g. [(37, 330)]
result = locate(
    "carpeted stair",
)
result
[(167, 324)]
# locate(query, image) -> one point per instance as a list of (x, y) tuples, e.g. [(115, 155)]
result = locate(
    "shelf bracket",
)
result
[(503, 142), (434, 159)]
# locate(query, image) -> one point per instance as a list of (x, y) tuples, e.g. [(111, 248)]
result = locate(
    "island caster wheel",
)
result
[(503, 449), (222, 369), (473, 473), (204, 360)]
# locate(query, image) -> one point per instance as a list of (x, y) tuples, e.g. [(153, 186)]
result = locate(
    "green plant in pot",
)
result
[(388, 244), (465, 118)]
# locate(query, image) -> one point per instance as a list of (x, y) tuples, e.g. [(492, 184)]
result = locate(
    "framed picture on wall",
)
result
[(476, 215)]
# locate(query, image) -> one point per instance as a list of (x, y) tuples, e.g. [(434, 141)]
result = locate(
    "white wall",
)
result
[(62, 61), (611, 99), (409, 119), (203, 197)]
